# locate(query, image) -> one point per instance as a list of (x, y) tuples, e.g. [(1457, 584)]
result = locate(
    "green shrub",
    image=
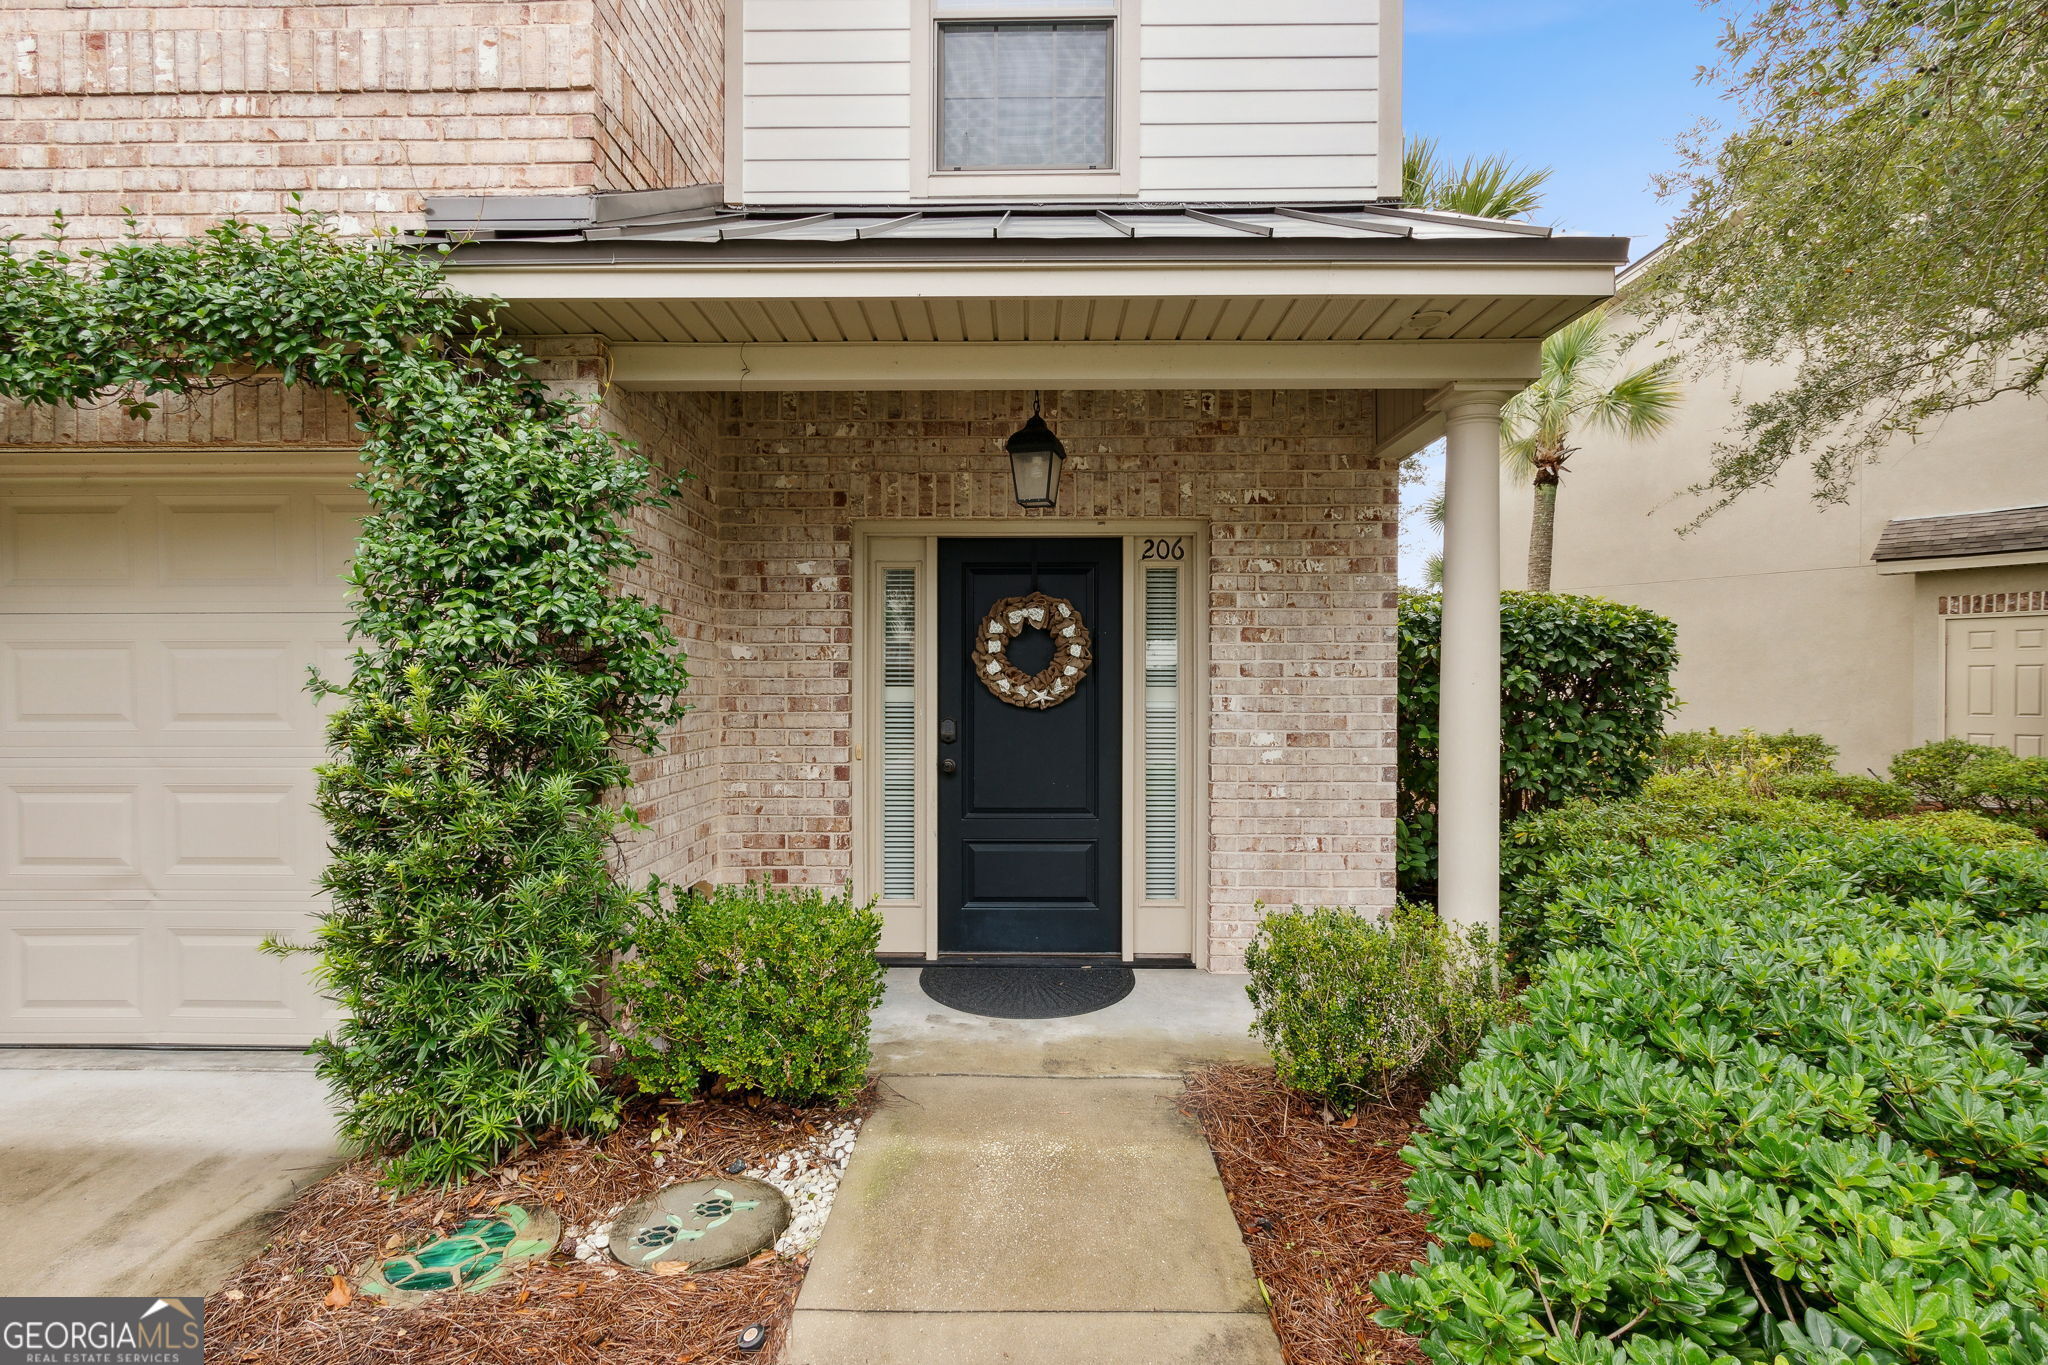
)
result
[(1968, 827), (473, 915), (1931, 770), (1710, 750), (1569, 902), (1786, 1106), (469, 902), (771, 988), (2006, 788), (1353, 1005), (1585, 685), (1870, 797), (1678, 806)]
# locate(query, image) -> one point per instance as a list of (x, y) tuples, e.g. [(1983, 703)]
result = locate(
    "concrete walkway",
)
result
[(149, 1173), (1029, 1194)]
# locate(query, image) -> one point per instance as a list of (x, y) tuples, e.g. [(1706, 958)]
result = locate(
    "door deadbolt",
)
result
[(948, 732)]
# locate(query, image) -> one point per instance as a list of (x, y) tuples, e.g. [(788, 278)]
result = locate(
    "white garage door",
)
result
[(156, 753)]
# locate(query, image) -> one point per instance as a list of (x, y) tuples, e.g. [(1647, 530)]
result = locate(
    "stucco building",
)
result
[(1911, 612), (826, 255)]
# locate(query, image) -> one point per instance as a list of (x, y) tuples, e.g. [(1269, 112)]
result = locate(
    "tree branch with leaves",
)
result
[(1879, 223)]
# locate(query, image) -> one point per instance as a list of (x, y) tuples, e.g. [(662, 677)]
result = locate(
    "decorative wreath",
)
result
[(1072, 654)]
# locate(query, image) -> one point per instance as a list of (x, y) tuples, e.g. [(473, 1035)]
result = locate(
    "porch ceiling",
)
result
[(1335, 290), (1177, 317)]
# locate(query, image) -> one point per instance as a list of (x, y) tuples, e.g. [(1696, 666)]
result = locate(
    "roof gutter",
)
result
[(1120, 251)]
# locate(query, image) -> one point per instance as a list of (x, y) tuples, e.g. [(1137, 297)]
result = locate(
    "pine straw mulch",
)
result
[(1322, 1208), (280, 1308)]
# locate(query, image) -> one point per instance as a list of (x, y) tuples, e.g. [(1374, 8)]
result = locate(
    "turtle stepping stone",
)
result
[(474, 1256), (706, 1224)]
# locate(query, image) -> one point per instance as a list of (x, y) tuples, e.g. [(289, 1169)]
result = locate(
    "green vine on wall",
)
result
[(499, 669)]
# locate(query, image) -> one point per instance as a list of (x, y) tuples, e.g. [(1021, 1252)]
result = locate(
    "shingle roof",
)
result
[(2003, 531)]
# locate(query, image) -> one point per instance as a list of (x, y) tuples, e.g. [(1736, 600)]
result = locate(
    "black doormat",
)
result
[(1027, 992)]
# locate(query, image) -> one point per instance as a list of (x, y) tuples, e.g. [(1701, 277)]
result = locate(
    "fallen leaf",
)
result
[(235, 1294), (524, 1295), (1351, 1122), (761, 1256), (339, 1296), (665, 1269), (392, 1242)]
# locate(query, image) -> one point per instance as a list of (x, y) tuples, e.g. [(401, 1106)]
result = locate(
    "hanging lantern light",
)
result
[(1035, 458)]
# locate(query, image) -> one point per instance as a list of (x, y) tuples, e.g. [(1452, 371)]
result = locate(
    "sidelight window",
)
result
[(1162, 726), (899, 733)]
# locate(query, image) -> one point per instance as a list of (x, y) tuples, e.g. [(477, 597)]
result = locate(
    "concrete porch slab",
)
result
[(135, 1172), (1172, 1022)]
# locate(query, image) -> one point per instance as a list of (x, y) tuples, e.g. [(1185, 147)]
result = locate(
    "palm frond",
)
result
[(1518, 453), (1483, 186), (1640, 403), (1421, 170)]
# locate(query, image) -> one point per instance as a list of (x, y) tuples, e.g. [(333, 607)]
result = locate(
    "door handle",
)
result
[(948, 766)]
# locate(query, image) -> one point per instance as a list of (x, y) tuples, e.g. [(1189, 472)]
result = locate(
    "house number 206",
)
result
[(1174, 547)]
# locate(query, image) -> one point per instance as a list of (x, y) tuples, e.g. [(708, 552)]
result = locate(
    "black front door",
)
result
[(1028, 798)]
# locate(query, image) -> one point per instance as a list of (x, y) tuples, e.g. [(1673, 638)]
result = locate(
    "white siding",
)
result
[(1234, 99), (1259, 99)]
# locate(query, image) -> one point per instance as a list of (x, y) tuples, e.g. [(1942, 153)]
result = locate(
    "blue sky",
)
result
[(1595, 89)]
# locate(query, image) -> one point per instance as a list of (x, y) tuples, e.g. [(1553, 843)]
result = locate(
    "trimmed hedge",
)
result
[(769, 988), (1710, 750), (1353, 1005), (1787, 1105), (1869, 797), (1694, 805), (1931, 771), (1585, 686)]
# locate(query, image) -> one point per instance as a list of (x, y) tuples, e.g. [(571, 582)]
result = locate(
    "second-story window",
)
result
[(1024, 93)]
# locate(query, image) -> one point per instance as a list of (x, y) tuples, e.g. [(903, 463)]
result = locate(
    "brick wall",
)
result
[(660, 93), (1975, 604), (1300, 611), (676, 789), (189, 112), (753, 564), (263, 414)]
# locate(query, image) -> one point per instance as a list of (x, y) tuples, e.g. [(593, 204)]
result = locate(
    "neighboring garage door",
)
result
[(1996, 685), (156, 754)]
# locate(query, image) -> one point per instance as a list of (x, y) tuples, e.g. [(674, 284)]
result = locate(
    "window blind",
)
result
[(1023, 94), (899, 733), (1162, 734)]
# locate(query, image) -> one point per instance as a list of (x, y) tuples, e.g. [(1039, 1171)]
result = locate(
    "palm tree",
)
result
[(1435, 511), (1485, 186), (1572, 391)]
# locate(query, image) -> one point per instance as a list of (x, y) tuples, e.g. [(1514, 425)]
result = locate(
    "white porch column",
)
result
[(1468, 719)]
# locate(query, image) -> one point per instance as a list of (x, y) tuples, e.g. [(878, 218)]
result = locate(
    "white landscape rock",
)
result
[(808, 1177)]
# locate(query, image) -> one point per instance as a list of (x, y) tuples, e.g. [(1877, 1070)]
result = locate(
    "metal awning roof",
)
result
[(498, 233), (1303, 294)]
